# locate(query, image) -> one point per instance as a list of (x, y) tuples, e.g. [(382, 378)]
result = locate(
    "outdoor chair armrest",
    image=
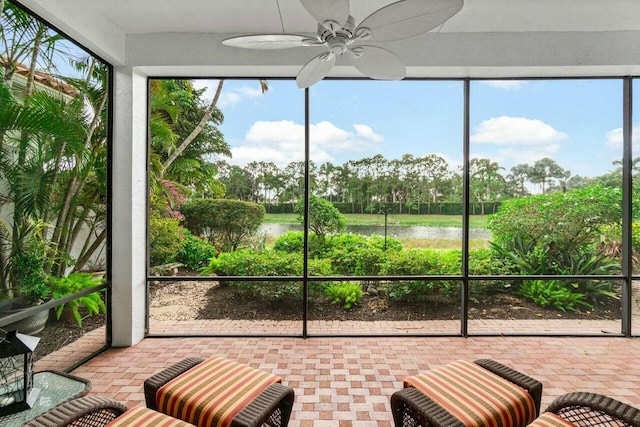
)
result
[(410, 408), (592, 409), (87, 411), (272, 407)]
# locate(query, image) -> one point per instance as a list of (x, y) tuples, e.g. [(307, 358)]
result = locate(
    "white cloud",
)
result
[(229, 96), (368, 133), (282, 142), (511, 156), (516, 131), (505, 84), (614, 137)]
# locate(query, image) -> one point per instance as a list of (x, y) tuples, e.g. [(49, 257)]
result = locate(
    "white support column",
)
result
[(129, 206)]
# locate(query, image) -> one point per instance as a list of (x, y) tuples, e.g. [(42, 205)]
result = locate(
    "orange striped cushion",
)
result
[(212, 392), (141, 416), (476, 396), (549, 419)]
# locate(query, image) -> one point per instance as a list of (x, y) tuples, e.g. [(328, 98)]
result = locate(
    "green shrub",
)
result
[(225, 223), (547, 293), (290, 242), (293, 242), (196, 252), (377, 241), (324, 219), (74, 283), (556, 222), (371, 261), (166, 239), (345, 294), (247, 262), (487, 262), (422, 262)]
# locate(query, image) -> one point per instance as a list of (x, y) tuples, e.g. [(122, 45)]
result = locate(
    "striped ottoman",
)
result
[(219, 392), (549, 419), (484, 393), (144, 417)]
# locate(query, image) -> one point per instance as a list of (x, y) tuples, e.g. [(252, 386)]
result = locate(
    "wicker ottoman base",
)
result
[(412, 408), (271, 408)]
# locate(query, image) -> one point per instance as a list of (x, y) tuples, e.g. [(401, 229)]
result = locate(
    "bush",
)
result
[(419, 262), (196, 252), (225, 223), (290, 242), (547, 293), (487, 262), (74, 283), (166, 239), (248, 262), (293, 242), (377, 241), (345, 294), (324, 218), (556, 222)]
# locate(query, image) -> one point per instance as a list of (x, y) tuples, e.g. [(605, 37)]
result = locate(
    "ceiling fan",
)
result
[(338, 34)]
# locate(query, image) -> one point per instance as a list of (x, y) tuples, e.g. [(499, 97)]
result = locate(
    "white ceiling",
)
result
[(486, 38), (242, 16)]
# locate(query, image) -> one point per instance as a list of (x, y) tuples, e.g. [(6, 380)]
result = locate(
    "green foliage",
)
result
[(293, 242), (417, 262), (290, 242), (557, 222), (393, 244), (247, 262), (324, 218), (196, 252), (74, 283), (26, 266), (487, 262), (345, 294), (225, 223), (547, 293), (166, 239)]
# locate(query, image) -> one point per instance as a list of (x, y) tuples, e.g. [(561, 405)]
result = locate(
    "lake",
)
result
[(415, 232)]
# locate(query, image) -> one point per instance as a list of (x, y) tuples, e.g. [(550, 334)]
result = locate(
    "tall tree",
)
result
[(545, 170)]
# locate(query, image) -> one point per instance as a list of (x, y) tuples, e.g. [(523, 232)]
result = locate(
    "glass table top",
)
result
[(55, 388)]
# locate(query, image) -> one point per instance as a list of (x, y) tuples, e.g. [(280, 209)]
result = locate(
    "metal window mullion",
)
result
[(464, 304), (627, 206), (305, 246)]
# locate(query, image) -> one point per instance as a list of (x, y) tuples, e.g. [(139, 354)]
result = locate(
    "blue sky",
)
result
[(575, 122)]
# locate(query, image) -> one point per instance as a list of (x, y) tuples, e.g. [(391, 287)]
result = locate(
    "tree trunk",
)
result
[(196, 131)]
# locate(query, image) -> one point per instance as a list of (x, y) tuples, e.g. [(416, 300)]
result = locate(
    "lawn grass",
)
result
[(475, 221)]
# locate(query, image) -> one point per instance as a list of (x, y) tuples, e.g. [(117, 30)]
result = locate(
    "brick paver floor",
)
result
[(348, 381)]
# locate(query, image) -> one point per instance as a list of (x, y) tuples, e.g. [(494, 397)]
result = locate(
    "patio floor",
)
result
[(348, 381)]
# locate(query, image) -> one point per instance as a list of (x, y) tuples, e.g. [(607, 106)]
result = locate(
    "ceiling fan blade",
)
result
[(379, 63), (408, 18), (315, 70), (327, 10), (267, 41)]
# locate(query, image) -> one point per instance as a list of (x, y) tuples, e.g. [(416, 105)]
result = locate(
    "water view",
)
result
[(400, 232)]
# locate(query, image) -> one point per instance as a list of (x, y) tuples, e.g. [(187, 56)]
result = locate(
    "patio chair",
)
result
[(95, 411), (464, 393), (86, 411), (591, 409), (220, 392)]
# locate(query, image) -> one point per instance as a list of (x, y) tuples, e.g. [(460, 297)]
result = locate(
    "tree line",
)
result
[(410, 184)]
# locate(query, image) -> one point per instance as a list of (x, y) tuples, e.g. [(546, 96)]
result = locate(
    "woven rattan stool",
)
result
[(87, 411), (205, 392), (458, 394), (591, 409)]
